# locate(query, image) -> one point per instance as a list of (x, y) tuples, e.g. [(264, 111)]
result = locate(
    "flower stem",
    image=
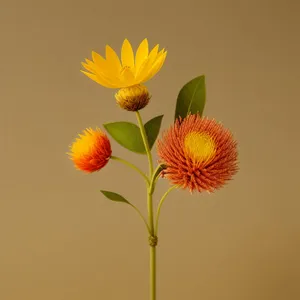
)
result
[(127, 163), (146, 143), (150, 210), (152, 248), (152, 273), (160, 205)]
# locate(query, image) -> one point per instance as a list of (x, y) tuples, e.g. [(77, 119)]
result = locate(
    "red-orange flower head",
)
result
[(91, 151), (199, 154)]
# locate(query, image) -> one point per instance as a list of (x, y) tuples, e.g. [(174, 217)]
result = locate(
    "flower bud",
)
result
[(133, 98)]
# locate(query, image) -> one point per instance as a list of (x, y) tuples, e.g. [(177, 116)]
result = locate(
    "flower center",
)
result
[(199, 146)]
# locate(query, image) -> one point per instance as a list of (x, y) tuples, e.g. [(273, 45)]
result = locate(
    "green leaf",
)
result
[(114, 197), (152, 128), (127, 135), (191, 98)]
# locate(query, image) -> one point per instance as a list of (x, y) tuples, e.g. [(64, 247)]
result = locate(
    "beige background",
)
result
[(60, 239)]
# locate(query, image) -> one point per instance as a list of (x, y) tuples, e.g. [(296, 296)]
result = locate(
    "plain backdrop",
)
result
[(61, 239)]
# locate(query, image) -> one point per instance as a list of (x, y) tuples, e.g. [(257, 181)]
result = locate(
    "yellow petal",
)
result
[(147, 65), (141, 54), (156, 67), (107, 75), (162, 51), (89, 62), (88, 67), (99, 64), (99, 60), (93, 68), (113, 62), (127, 78), (114, 82), (127, 54), (153, 54), (100, 67), (98, 79)]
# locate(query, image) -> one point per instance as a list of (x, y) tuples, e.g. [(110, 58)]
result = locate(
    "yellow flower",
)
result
[(131, 70)]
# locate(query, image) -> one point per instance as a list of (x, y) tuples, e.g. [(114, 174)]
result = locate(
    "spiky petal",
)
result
[(91, 151), (200, 154)]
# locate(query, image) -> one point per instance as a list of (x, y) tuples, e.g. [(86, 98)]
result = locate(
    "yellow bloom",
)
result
[(131, 70)]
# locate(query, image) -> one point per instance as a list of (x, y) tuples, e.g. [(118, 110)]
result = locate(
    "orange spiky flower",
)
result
[(91, 151), (199, 154)]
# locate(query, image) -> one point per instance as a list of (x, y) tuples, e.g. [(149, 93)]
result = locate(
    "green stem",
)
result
[(150, 209), (150, 213), (149, 155), (155, 177), (146, 143), (160, 205), (140, 214), (152, 273), (127, 163)]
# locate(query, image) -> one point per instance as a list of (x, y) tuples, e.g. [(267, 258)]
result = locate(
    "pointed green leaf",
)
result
[(191, 98), (127, 135), (114, 197), (152, 128)]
